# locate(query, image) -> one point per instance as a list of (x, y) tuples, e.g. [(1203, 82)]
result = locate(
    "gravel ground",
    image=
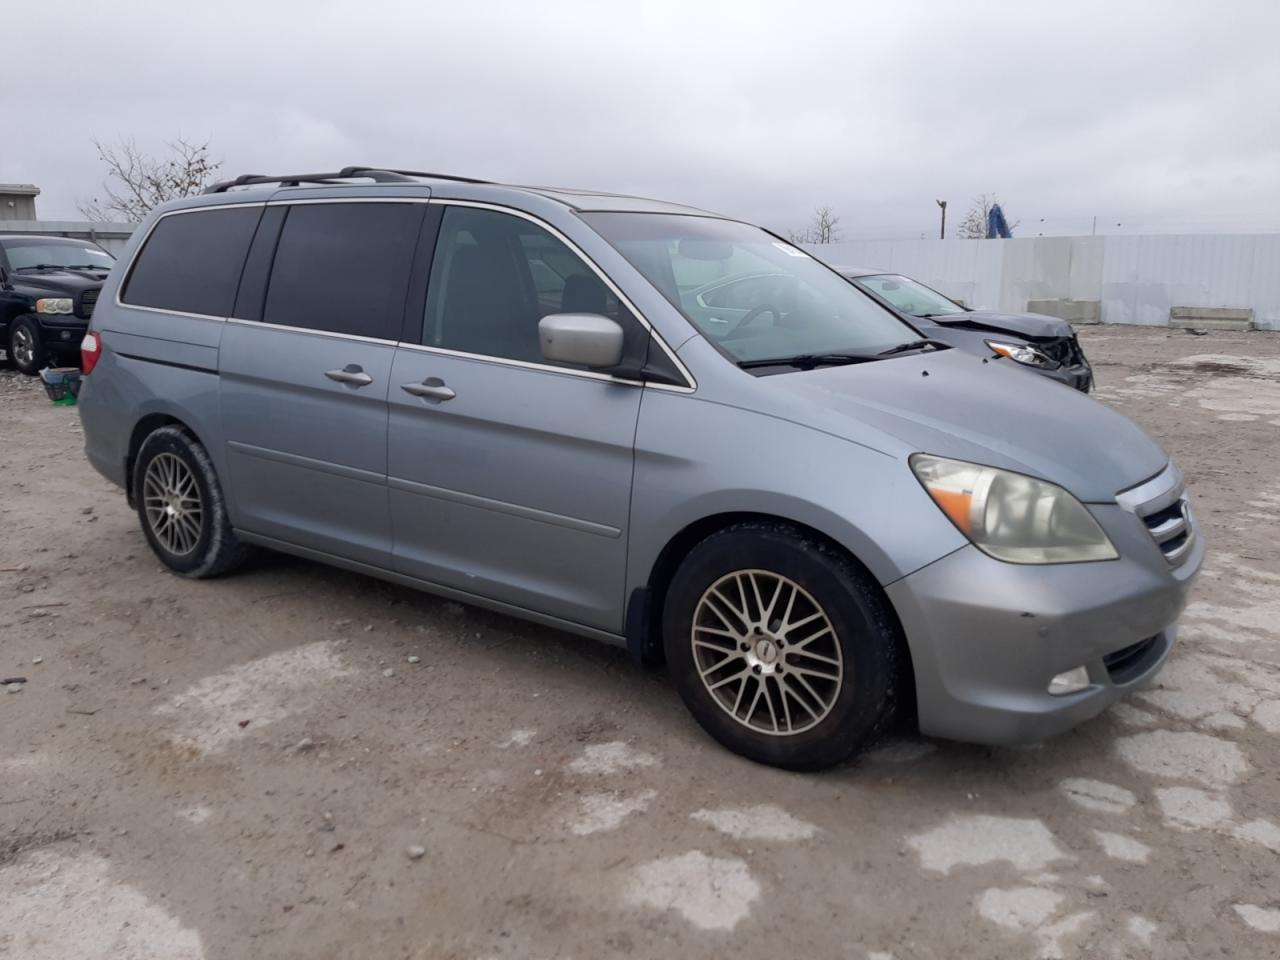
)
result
[(300, 762)]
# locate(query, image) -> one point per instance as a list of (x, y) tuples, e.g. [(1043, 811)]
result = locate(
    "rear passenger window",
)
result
[(495, 276), (344, 268), (191, 262)]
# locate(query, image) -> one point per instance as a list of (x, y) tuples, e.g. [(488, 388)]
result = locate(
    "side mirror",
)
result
[(586, 339)]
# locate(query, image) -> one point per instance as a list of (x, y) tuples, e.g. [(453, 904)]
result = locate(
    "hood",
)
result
[(1033, 325), (65, 282), (981, 412)]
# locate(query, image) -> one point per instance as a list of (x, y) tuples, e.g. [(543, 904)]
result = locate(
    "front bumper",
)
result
[(61, 333), (1079, 376), (986, 637)]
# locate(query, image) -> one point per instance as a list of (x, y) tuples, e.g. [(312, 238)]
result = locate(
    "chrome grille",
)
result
[(1162, 506)]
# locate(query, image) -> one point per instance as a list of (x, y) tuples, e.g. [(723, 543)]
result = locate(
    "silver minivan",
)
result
[(517, 397)]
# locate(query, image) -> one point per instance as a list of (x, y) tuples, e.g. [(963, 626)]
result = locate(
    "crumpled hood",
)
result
[(976, 411), (1024, 324)]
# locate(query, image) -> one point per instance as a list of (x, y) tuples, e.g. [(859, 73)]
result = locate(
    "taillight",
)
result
[(90, 351)]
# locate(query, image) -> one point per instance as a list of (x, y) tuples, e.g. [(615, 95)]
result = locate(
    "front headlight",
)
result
[(1023, 353), (53, 305), (1011, 516)]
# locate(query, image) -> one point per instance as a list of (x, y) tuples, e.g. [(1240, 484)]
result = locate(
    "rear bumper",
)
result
[(987, 637)]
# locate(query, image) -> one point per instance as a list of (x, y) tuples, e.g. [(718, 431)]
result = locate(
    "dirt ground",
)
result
[(300, 762)]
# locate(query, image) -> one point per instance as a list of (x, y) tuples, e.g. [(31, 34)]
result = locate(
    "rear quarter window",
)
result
[(191, 262)]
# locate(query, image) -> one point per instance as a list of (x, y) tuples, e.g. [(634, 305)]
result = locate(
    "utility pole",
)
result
[(1094, 231), (942, 232)]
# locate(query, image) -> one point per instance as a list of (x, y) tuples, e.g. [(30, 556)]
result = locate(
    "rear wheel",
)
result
[(782, 646), (26, 346), (181, 507)]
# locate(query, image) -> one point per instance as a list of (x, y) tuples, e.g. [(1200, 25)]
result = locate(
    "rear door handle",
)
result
[(351, 374), (433, 388)]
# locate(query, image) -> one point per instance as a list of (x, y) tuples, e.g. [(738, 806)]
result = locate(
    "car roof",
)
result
[(251, 188)]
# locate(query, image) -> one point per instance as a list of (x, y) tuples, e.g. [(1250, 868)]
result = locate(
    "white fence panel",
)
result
[(1135, 279)]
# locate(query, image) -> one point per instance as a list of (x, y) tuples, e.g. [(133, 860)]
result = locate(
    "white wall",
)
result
[(1136, 279)]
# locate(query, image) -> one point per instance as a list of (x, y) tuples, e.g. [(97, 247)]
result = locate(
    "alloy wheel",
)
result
[(767, 652), (172, 502), (23, 347)]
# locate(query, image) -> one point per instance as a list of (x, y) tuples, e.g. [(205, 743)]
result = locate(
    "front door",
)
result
[(304, 384), (510, 477)]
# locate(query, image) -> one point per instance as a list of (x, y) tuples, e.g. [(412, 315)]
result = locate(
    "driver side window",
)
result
[(495, 275)]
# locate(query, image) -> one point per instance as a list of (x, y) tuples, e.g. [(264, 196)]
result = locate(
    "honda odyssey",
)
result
[(513, 397)]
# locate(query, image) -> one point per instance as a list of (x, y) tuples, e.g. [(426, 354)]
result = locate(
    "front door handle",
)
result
[(432, 388), (351, 374)]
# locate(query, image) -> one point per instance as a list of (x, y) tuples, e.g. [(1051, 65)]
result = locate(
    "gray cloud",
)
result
[(1156, 115)]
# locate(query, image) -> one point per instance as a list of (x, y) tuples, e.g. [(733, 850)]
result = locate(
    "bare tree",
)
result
[(974, 224), (823, 228), (137, 181)]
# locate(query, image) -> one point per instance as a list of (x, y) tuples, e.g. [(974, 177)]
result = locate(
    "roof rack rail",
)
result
[(376, 174)]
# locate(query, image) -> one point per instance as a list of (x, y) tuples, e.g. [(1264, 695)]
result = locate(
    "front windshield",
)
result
[(908, 296), (55, 253), (750, 294)]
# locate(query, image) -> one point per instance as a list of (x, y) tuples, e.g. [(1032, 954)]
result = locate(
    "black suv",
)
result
[(48, 286)]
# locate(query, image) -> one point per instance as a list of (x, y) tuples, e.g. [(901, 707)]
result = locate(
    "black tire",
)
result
[(25, 339), (860, 705), (214, 548)]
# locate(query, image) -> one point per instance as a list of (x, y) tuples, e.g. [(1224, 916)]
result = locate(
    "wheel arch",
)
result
[(644, 605), (145, 426)]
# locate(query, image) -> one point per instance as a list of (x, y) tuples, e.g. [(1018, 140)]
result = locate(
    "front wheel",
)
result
[(26, 346), (782, 647), (181, 507)]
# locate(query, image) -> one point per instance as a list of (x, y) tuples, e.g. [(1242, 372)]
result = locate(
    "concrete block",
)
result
[(1211, 318), (1077, 312)]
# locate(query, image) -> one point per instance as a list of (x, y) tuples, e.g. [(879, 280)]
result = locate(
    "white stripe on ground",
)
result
[(208, 714), (56, 906), (605, 758), (712, 893), (977, 840), (601, 812), (761, 822)]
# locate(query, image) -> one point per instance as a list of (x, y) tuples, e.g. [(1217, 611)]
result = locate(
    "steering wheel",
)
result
[(751, 316)]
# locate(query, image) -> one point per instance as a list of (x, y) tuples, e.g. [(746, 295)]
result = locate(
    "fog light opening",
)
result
[(1071, 681)]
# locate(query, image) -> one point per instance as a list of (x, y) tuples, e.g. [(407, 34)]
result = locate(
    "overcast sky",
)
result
[(1160, 116)]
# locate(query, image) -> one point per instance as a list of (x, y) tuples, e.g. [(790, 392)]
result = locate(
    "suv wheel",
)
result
[(26, 346), (180, 505), (782, 648)]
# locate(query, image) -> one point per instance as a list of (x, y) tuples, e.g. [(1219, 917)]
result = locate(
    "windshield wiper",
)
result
[(807, 361), (87, 266), (41, 266), (913, 345)]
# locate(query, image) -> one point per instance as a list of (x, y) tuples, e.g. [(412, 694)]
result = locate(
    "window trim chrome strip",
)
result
[(312, 331)]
